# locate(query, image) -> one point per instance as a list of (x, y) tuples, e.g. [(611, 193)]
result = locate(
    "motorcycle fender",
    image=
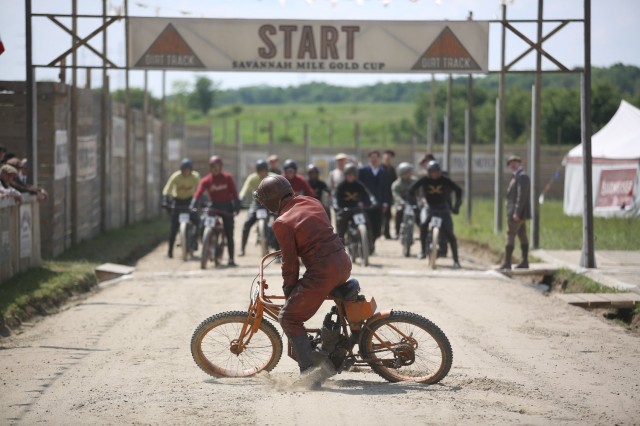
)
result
[(378, 316)]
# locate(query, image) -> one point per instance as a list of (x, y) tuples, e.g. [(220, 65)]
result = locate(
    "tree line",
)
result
[(560, 102)]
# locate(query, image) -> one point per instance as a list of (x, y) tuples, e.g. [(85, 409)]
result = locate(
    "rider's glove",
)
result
[(166, 201), (236, 206), (455, 210)]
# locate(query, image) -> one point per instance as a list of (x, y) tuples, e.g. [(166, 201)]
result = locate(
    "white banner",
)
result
[(61, 166), (26, 221), (309, 46), (174, 148), (87, 162), (118, 136)]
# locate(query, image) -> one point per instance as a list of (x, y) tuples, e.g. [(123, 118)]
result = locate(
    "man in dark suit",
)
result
[(518, 211), (377, 181)]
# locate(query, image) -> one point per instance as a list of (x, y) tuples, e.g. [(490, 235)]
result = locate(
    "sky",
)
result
[(615, 34)]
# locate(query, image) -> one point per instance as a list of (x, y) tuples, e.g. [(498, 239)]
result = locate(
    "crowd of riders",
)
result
[(378, 188)]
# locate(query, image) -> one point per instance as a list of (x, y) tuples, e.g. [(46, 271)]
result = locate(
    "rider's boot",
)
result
[(525, 257), (508, 252), (454, 254), (245, 238), (170, 252), (314, 366)]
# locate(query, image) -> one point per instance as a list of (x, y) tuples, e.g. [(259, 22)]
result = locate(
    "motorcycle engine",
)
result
[(333, 342)]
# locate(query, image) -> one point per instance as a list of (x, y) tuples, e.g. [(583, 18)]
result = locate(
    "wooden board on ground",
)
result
[(110, 271), (601, 300)]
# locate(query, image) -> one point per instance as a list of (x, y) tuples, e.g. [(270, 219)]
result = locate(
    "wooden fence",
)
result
[(19, 236)]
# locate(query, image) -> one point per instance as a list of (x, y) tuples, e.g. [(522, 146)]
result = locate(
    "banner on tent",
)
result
[(616, 189), (309, 46)]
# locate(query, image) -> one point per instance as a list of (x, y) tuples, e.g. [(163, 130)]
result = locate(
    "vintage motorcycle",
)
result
[(398, 345), (265, 239), (214, 240), (356, 239), (187, 233), (406, 229), (436, 244)]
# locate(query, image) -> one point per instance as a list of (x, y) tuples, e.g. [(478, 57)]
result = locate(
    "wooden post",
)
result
[(271, 138), (73, 131), (499, 143), (447, 128), (356, 137), (468, 151), (432, 115), (127, 126), (145, 148), (535, 140), (307, 146), (104, 128), (239, 164)]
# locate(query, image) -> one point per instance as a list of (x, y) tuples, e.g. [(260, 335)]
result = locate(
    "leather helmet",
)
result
[(271, 191), (214, 159)]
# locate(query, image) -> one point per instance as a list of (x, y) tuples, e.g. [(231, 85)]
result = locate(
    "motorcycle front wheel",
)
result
[(364, 245), (184, 243), (433, 254), (206, 248), (214, 346), (406, 347), (262, 237)]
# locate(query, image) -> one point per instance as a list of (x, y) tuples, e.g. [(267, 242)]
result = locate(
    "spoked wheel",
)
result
[(364, 245), (184, 243), (262, 237), (406, 347), (206, 248), (433, 254), (215, 348), (218, 241), (407, 238)]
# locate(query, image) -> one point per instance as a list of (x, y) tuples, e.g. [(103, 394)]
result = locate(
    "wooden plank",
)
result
[(573, 299), (109, 271), (601, 300)]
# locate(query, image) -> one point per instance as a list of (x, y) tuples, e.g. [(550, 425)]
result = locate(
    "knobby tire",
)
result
[(212, 341), (431, 348)]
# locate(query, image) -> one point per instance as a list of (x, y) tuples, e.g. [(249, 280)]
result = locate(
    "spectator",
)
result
[(177, 194), (299, 185), (518, 211), (223, 195), (7, 175), (320, 189), (250, 185), (337, 175), (387, 165), (20, 182), (273, 165), (424, 161), (376, 180)]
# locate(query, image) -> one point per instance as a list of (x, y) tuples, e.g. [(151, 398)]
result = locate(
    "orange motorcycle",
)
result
[(399, 346)]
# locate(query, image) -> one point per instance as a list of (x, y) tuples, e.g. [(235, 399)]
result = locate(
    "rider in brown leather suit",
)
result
[(303, 232)]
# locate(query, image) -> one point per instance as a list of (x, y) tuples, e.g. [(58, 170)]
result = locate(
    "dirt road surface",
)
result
[(122, 355)]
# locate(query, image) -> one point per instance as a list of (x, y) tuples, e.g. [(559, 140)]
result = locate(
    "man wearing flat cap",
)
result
[(518, 211)]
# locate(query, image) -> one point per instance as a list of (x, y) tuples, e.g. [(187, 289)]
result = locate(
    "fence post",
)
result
[(356, 136), (271, 138), (238, 152), (307, 145)]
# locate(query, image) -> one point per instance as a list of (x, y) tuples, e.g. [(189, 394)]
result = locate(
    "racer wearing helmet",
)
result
[(437, 188), (305, 234), (350, 194), (223, 195), (299, 185), (250, 185), (177, 194), (400, 191), (320, 189)]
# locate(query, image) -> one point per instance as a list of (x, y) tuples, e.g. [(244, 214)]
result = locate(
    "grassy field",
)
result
[(39, 289), (380, 123), (557, 231)]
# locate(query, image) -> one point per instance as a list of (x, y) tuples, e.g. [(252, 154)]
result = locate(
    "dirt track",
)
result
[(122, 356)]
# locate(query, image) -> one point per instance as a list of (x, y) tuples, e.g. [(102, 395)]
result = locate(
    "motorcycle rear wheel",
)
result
[(214, 351), (364, 245), (406, 347), (218, 242)]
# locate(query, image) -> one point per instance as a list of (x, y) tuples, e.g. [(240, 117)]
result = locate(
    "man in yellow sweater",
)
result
[(177, 195)]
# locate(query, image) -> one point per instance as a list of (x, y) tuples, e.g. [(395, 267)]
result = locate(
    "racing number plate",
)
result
[(408, 211), (261, 214), (359, 219), (436, 222), (184, 218), (210, 221)]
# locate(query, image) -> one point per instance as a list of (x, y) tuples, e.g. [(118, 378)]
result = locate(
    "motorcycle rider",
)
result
[(223, 195), (400, 190), (319, 187), (437, 188), (305, 234), (177, 194), (250, 185), (349, 194), (299, 185)]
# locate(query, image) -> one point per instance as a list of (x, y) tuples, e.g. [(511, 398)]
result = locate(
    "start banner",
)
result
[(309, 46)]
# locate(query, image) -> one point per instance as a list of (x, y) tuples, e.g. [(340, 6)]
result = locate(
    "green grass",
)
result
[(557, 231), (380, 123), (38, 289), (571, 282)]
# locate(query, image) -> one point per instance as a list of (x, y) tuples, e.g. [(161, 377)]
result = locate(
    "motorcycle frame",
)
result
[(267, 304)]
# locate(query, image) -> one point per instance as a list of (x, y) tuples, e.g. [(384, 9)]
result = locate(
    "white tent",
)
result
[(616, 168)]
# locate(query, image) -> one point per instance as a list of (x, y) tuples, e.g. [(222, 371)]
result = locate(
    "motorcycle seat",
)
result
[(347, 291)]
